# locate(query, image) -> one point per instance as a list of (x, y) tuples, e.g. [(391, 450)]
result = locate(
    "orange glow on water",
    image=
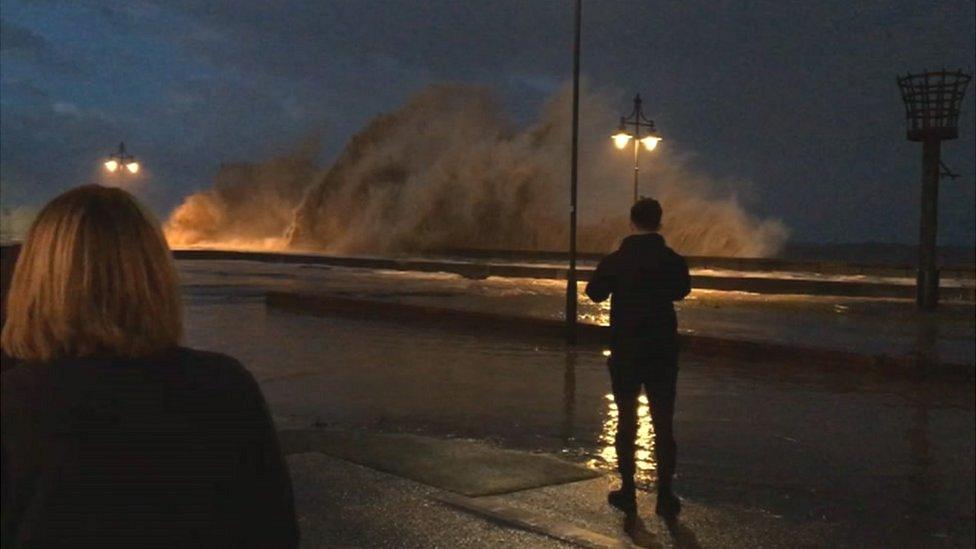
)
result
[(644, 444)]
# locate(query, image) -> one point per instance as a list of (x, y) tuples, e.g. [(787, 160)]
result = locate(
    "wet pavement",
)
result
[(341, 504), (852, 459), (860, 325)]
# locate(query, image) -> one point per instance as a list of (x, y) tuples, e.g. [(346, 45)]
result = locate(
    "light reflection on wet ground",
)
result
[(644, 455)]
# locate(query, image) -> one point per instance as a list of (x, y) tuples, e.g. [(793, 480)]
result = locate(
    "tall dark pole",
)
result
[(571, 276), (932, 101), (636, 165), (639, 113), (927, 295)]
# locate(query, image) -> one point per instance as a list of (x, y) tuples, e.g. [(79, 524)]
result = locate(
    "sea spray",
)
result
[(449, 170), (250, 205)]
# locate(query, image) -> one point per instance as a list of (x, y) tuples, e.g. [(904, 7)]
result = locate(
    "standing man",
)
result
[(645, 277)]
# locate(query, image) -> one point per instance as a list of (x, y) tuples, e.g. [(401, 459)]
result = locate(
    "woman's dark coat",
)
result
[(176, 450)]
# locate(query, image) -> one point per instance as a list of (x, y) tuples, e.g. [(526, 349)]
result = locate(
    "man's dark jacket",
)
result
[(174, 450), (645, 277)]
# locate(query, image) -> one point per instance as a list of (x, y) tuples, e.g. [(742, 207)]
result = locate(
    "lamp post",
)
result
[(121, 162), (630, 130), (932, 101), (571, 296)]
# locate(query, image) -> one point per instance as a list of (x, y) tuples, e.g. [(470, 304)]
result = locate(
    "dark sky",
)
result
[(797, 98)]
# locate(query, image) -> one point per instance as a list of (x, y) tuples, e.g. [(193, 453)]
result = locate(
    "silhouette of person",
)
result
[(113, 434), (644, 276)]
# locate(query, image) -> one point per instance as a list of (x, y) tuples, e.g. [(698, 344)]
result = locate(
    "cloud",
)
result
[(434, 35), (50, 146), (17, 39), (18, 42), (23, 91), (66, 108), (798, 98)]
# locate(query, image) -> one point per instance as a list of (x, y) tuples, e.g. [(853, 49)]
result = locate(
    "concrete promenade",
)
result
[(772, 452), (769, 455)]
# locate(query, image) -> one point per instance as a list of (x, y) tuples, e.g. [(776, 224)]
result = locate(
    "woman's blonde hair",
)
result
[(94, 278)]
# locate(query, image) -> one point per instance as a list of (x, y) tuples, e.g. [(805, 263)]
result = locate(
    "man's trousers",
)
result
[(657, 373)]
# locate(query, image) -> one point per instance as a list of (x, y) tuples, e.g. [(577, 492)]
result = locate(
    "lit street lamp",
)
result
[(630, 129), (122, 161)]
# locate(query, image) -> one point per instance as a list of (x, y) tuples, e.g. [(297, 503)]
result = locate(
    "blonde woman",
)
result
[(113, 434)]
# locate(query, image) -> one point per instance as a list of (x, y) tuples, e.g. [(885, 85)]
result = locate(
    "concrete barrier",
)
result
[(754, 264), (759, 285)]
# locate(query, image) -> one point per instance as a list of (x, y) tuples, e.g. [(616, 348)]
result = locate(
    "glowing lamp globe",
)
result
[(111, 165), (133, 167), (620, 139), (650, 142)]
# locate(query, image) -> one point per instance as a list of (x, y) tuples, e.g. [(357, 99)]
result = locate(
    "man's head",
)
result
[(645, 214)]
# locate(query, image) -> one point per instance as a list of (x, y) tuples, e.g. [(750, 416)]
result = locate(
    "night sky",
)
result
[(797, 100)]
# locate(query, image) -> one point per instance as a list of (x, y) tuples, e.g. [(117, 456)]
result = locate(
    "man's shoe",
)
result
[(625, 500), (668, 504)]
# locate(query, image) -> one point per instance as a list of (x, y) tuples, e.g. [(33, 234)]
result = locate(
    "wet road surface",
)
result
[(875, 461)]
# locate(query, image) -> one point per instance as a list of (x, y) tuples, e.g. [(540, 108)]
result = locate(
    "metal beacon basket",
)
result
[(932, 101)]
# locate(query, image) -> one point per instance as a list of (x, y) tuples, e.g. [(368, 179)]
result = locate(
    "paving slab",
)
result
[(466, 467), (531, 521), (700, 524), (342, 504)]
